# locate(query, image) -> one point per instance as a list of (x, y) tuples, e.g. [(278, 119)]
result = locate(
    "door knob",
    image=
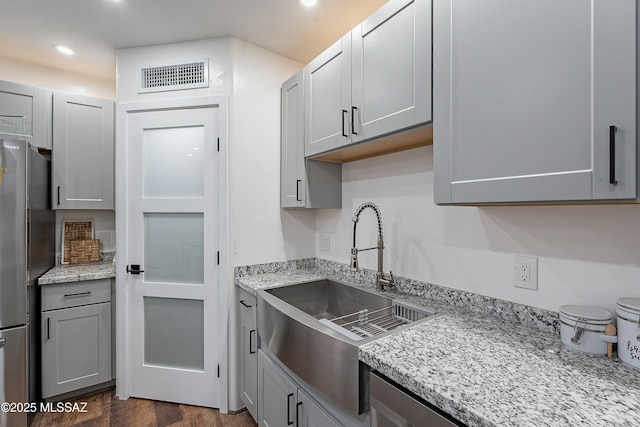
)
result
[(135, 269)]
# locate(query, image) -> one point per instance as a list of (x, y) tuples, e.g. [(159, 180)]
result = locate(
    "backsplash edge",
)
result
[(533, 317)]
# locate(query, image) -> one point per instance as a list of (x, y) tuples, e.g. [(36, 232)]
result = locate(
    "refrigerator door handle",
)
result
[(3, 342)]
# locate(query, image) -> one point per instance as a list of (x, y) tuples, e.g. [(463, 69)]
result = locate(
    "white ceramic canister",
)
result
[(628, 312), (582, 328)]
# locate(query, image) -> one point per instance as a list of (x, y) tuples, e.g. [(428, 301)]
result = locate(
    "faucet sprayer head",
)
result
[(354, 259)]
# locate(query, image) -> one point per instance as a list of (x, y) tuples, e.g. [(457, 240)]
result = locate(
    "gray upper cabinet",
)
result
[(292, 180), (30, 103), (310, 183), (83, 152), (327, 94), (535, 101), (391, 70), (374, 81)]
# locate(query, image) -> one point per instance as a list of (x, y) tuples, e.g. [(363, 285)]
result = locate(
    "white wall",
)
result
[(586, 254), (51, 78), (261, 231), (131, 60)]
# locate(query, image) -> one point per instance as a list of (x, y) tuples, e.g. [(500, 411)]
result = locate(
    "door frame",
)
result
[(123, 367)]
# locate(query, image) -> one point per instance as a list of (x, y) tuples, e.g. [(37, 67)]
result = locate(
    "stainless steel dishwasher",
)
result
[(393, 407)]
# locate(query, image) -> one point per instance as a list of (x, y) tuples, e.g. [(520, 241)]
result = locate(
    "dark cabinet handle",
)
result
[(289, 396), (245, 304), (612, 155), (353, 118), (251, 350), (80, 294), (48, 328), (58, 195), (298, 405), (343, 131), (298, 181)]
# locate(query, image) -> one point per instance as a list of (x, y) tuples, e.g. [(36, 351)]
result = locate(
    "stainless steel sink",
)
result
[(315, 328)]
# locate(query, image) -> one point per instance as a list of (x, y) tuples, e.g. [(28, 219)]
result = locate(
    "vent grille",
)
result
[(177, 76)]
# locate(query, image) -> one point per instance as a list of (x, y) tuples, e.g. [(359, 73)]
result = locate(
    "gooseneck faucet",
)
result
[(381, 280)]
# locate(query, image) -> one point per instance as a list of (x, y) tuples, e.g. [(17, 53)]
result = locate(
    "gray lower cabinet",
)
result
[(534, 101), (30, 103), (310, 183), (374, 81), (76, 336), (310, 414), (83, 152), (282, 402), (249, 353)]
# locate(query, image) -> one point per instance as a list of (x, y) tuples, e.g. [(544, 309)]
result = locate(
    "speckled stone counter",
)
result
[(106, 269), (485, 367), (487, 372)]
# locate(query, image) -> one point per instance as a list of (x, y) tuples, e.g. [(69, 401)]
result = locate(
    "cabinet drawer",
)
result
[(74, 294), (247, 303)]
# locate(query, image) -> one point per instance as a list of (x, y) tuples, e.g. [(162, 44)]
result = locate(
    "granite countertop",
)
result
[(253, 283), (106, 269), (486, 371)]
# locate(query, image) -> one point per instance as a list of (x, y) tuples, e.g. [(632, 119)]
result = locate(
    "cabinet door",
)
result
[(277, 395), (249, 373), (292, 179), (76, 348), (327, 97), (83, 152), (526, 93), (391, 69), (310, 414), (303, 183), (29, 102)]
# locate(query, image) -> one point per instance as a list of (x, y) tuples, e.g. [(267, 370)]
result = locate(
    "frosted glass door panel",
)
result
[(172, 325), (174, 162), (174, 248)]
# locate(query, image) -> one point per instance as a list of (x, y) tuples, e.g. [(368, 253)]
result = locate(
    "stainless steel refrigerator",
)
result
[(27, 250)]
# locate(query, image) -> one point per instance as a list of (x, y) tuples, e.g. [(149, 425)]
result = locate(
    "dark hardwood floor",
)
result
[(104, 410)]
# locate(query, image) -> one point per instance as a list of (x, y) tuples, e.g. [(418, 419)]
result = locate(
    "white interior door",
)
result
[(175, 333)]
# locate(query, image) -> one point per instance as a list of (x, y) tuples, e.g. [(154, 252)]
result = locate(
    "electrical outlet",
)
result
[(525, 272), (105, 238), (325, 243)]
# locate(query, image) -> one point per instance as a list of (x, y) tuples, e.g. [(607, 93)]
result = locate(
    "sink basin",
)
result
[(315, 328), (329, 299)]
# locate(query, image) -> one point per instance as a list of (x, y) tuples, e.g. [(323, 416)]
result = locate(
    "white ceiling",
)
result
[(95, 28)]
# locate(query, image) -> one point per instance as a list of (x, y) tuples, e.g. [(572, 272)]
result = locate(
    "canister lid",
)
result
[(585, 312), (630, 304)]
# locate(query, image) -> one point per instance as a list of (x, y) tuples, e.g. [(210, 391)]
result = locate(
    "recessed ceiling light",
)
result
[(308, 3), (64, 50)]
